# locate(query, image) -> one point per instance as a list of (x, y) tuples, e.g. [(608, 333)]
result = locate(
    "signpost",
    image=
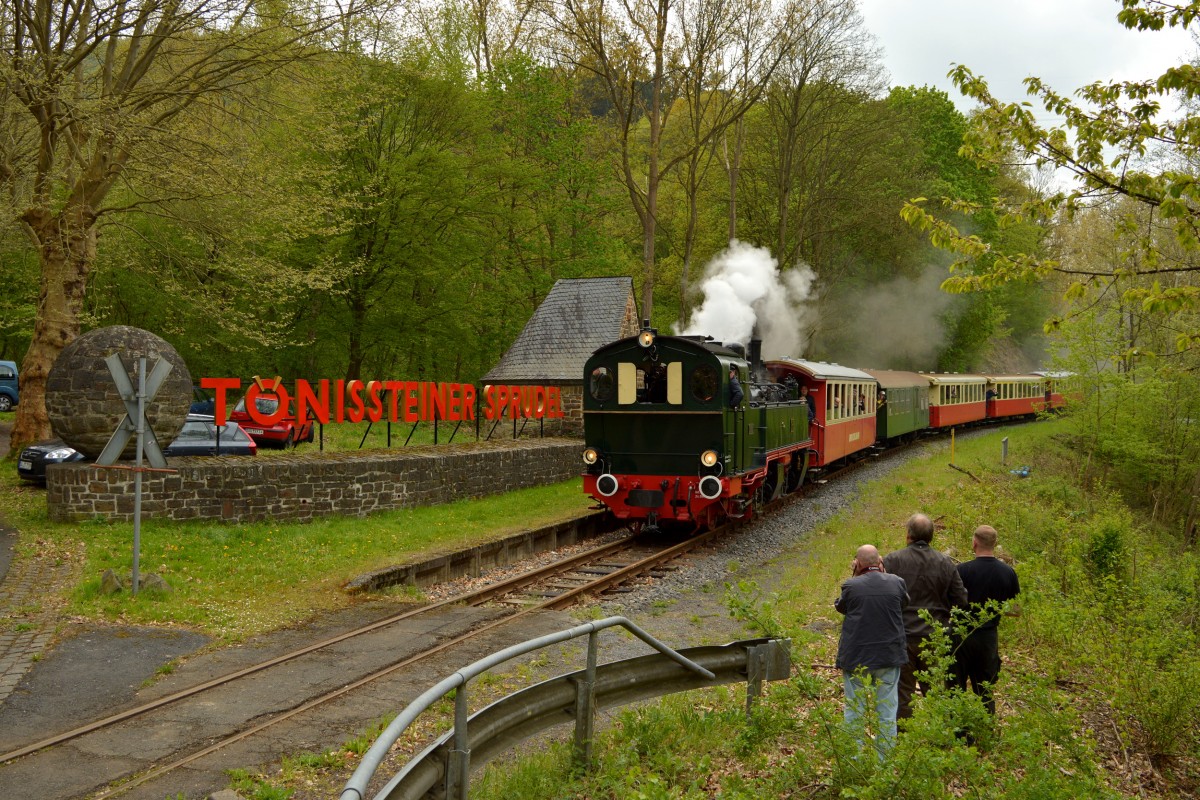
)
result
[(134, 423)]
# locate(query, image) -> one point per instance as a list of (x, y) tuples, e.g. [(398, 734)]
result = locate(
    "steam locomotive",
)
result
[(667, 448)]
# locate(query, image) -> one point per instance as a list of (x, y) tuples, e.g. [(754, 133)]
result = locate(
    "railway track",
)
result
[(556, 585), (553, 586)]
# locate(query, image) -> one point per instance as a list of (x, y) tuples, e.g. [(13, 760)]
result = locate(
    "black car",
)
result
[(31, 464), (199, 437)]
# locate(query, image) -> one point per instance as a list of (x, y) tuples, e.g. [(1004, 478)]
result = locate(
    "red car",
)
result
[(285, 432)]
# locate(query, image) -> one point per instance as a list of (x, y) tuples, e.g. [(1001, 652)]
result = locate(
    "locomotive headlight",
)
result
[(708, 458), (590, 456), (646, 338)]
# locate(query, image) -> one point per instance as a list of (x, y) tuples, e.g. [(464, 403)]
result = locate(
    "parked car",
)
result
[(287, 432), (9, 394), (203, 402), (31, 463), (201, 437)]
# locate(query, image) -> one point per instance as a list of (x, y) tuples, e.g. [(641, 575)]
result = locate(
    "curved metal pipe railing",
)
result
[(554, 702)]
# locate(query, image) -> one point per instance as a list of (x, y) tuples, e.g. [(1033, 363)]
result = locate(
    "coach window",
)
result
[(601, 384), (703, 383)]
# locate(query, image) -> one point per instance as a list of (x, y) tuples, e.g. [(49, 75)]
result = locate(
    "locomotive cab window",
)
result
[(650, 382), (703, 383), (601, 384)]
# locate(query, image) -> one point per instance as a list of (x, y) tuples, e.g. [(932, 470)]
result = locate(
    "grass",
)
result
[(232, 581), (1070, 725)]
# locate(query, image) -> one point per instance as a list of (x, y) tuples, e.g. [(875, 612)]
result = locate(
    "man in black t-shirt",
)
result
[(985, 578)]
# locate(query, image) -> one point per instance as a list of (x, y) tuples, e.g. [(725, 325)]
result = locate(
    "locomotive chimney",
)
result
[(755, 356)]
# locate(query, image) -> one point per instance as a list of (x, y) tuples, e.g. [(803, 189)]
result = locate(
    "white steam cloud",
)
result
[(743, 287)]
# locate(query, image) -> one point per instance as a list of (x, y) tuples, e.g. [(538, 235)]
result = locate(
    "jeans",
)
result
[(881, 684)]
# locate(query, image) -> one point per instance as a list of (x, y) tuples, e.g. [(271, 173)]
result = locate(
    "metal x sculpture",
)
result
[(135, 411)]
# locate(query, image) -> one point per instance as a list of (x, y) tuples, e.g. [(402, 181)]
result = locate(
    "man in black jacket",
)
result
[(933, 584), (872, 646)]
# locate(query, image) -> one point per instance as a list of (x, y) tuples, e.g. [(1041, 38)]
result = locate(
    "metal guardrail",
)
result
[(442, 770)]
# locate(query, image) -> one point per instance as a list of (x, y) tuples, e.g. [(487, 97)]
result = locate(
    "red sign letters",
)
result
[(397, 401)]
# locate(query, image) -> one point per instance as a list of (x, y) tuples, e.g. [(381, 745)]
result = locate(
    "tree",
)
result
[(1104, 142), (1126, 249), (635, 53), (94, 89), (830, 71)]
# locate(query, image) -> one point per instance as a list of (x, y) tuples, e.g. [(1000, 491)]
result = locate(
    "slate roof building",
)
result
[(578, 316)]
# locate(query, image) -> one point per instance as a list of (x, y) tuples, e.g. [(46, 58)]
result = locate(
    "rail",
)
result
[(443, 769)]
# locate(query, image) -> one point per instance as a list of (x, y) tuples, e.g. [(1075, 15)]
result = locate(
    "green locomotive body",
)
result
[(664, 443)]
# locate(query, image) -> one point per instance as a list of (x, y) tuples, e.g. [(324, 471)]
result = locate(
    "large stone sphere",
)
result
[(82, 400)]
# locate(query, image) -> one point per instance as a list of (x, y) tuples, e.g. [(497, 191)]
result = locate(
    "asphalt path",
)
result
[(100, 671)]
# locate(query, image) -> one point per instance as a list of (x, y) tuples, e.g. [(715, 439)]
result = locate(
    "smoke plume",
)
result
[(742, 288), (892, 325)]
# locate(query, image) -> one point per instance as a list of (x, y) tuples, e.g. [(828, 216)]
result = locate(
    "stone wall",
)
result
[(303, 485)]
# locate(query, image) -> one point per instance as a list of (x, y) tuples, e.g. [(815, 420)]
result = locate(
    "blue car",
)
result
[(8, 385), (202, 402)]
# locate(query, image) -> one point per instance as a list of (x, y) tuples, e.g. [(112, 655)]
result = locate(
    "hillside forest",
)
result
[(389, 188)]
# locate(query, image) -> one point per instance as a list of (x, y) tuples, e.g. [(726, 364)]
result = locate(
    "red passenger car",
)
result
[(845, 401), (1015, 395), (956, 399), (1056, 388)]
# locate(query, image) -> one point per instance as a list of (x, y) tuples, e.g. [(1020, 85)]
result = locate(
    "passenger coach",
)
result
[(956, 399), (845, 401), (902, 406), (1016, 395)]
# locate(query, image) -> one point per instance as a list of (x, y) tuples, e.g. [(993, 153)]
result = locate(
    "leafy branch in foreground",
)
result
[(1122, 152)]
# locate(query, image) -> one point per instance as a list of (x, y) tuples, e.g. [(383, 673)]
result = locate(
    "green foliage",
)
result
[(1129, 158), (1107, 553), (360, 744), (745, 603), (256, 787)]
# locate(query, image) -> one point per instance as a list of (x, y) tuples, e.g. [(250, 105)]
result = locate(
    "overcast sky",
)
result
[(1068, 43)]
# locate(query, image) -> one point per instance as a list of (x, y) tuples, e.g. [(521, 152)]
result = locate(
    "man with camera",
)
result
[(872, 647)]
